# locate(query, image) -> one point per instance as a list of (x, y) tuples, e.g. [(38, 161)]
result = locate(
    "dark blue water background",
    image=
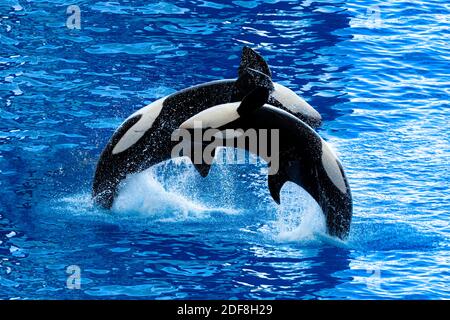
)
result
[(377, 72)]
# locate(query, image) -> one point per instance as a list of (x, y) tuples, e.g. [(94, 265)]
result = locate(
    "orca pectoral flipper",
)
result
[(253, 101), (203, 169), (202, 152), (203, 162), (288, 171), (276, 182), (315, 175)]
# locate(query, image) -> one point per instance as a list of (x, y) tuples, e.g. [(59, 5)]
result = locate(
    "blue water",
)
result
[(377, 72)]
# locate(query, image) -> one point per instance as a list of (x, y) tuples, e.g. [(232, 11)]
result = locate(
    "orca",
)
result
[(304, 157), (146, 134)]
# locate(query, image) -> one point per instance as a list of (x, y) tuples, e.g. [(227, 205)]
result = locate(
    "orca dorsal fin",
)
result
[(253, 101), (250, 59), (249, 79)]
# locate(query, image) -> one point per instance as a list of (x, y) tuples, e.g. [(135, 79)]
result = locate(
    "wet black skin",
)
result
[(156, 142), (300, 161), (300, 146), (177, 108)]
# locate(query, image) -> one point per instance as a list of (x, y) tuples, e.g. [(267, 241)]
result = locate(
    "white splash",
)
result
[(143, 194), (298, 218)]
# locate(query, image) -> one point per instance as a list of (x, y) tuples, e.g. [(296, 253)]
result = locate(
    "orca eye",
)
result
[(124, 128), (130, 132)]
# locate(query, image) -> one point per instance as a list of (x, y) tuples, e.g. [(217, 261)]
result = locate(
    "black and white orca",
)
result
[(145, 136), (304, 157), (252, 101)]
